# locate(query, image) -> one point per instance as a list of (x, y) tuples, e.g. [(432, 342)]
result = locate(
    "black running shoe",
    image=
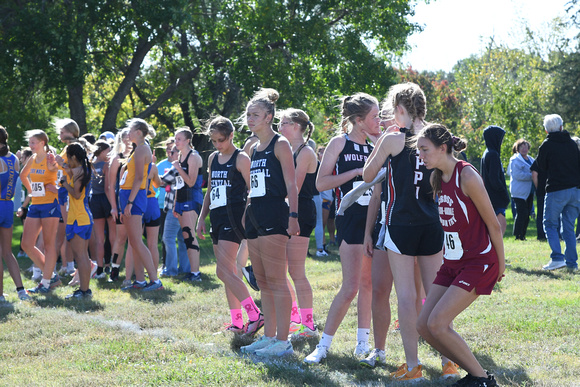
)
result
[(248, 272), (114, 274)]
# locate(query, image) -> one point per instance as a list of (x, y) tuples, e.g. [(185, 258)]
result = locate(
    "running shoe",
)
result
[(229, 327), (94, 268), (262, 342), (316, 357), (473, 381), (252, 327), (157, 285), (135, 286), (36, 274), (55, 281), (79, 294), (114, 276), (304, 333), (276, 349), (450, 371), (23, 296), (248, 273), (2, 298), (362, 349), (553, 265), (62, 270), (126, 282), (100, 276), (321, 253), (403, 374), (39, 289), (22, 254), (193, 277), (376, 355), (294, 327)]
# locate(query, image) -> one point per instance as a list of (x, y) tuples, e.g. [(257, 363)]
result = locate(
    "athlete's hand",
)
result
[(293, 227), (368, 246), (501, 271), (200, 230), (19, 212), (176, 164), (59, 160), (127, 212), (52, 188)]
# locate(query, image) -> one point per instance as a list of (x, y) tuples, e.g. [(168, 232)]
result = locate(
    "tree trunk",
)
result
[(77, 107)]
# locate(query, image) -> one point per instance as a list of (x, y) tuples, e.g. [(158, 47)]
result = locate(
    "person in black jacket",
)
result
[(560, 158), (493, 174)]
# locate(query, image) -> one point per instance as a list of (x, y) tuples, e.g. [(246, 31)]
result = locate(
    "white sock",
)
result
[(195, 272), (36, 270), (326, 340), (45, 283), (362, 334), (70, 265)]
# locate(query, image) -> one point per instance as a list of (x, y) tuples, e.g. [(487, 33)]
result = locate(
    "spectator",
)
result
[(521, 186), (493, 174), (560, 158)]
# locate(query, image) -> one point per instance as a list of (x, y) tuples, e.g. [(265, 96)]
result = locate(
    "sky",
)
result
[(455, 29)]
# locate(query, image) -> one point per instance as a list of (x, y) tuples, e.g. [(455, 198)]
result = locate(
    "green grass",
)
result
[(526, 332)]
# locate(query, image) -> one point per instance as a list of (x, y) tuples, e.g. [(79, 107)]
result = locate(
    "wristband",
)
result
[(129, 202), (294, 215)]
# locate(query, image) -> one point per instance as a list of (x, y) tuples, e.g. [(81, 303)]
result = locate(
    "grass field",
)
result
[(526, 332)]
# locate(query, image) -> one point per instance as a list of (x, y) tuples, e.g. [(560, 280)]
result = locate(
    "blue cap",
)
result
[(107, 136)]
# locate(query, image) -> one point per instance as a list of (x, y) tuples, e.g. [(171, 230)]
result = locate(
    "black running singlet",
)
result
[(227, 183), (308, 189), (266, 177), (353, 156)]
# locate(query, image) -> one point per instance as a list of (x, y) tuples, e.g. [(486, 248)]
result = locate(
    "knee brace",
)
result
[(189, 240)]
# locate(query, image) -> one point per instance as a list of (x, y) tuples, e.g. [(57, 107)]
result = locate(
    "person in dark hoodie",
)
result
[(560, 158), (493, 174)]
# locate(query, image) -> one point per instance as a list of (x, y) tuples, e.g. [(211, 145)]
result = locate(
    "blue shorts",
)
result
[(499, 211), (139, 204), (62, 196), (180, 208), (6, 213), (82, 231), (49, 210), (152, 217)]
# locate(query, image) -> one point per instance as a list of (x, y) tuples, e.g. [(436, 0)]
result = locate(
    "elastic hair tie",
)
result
[(455, 140)]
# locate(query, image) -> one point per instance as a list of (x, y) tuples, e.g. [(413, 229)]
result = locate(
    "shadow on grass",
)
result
[(6, 309), (157, 296), (78, 305), (208, 282), (535, 272), (515, 376)]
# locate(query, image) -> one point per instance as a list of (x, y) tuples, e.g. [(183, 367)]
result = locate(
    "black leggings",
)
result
[(523, 208)]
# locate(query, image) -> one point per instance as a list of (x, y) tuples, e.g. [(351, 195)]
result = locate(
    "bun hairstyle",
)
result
[(439, 135), (410, 96), (219, 124), (79, 152), (119, 145), (142, 126), (355, 106), (299, 117), (69, 126), (267, 98), (40, 135), (4, 148)]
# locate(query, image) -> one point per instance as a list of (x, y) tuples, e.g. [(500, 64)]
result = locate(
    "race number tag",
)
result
[(179, 183), (365, 198), (38, 190), (257, 185), (218, 197), (453, 246), (67, 205), (123, 178), (383, 212), (59, 175)]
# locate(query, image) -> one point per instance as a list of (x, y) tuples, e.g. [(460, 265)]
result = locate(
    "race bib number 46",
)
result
[(453, 246), (257, 185)]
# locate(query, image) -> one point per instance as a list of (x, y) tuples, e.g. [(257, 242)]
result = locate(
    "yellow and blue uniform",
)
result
[(140, 202), (8, 180), (44, 203), (152, 217), (79, 220)]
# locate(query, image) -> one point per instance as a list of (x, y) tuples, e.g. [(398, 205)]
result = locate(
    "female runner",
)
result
[(188, 196), (474, 254), (39, 178), (412, 225), (225, 200), (270, 221), (9, 171), (293, 125), (133, 199), (348, 153), (79, 225)]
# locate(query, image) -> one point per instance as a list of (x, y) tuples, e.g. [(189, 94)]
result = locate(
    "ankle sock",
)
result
[(362, 334), (237, 319), (326, 340), (306, 317), (251, 309)]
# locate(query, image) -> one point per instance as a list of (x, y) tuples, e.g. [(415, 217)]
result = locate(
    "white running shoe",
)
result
[(262, 342), (316, 357), (362, 349), (374, 357), (321, 253), (23, 295), (553, 265), (276, 349)]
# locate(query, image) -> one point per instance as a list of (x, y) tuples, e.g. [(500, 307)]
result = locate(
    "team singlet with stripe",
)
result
[(226, 180), (8, 177), (40, 177), (409, 198), (266, 177), (466, 235), (352, 156)]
